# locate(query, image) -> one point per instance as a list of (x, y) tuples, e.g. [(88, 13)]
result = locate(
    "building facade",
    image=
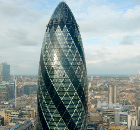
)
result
[(62, 84), (132, 120), (4, 72), (4, 92), (121, 118), (112, 94)]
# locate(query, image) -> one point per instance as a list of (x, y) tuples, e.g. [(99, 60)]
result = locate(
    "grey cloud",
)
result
[(97, 69), (11, 10), (31, 16), (24, 25), (115, 66), (21, 37), (136, 38), (122, 63), (97, 55), (18, 13), (21, 61), (27, 42), (17, 33), (132, 60), (127, 40), (6, 43), (103, 20), (130, 40), (116, 25)]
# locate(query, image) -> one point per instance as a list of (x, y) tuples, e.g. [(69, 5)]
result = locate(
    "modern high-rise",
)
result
[(4, 71), (112, 94), (62, 83)]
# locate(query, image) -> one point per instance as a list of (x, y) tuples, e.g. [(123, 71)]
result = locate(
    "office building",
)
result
[(112, 94), (121, 118), (62, 84), (4, 72), (12, 90), (30, 88), (132, 120), (4, 92)]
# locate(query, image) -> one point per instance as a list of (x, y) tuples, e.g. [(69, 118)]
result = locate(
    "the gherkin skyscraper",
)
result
[(62, 83)]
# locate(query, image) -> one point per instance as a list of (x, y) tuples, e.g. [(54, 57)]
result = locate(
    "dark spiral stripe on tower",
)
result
[(62, 83)]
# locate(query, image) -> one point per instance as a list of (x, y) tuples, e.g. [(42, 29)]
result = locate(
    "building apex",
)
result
[(62, 13)]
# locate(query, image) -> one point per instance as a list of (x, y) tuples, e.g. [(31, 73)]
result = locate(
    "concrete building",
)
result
[(12, 90), (121, 118), (95, 117), (11, 114), (112, 94), (114, 127), (109, 114), (21, 124), (6, 105), (138, 112), (135, 128), (4, 92), (132, 121), (4, 128)]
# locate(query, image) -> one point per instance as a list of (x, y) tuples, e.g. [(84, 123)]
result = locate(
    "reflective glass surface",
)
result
[(62, 84)]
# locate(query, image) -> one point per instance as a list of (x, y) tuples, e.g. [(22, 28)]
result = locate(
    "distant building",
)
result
[(135, 127), (7, 91), (138, 115), (1, 121), (12, 90), (112, 94), (95, 117), (6, 105), (121, 118), (91, 78), (4, 128), (30, 88), (21, 124), (4, 72), (114, 127), (109, 114), (11, 114), (132, 121), (4, 92)]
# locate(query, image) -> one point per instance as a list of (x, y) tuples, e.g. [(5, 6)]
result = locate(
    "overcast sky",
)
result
[(110, 31)]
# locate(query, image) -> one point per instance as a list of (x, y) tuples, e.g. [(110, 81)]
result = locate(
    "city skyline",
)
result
[(109, 30)]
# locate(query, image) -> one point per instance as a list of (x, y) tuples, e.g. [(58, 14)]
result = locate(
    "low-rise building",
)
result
[(135, 127), (114, 127), (11, 114), (24, 125)]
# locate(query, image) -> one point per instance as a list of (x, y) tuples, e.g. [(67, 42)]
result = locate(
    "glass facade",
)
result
[(4, 72), (62, 84)]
